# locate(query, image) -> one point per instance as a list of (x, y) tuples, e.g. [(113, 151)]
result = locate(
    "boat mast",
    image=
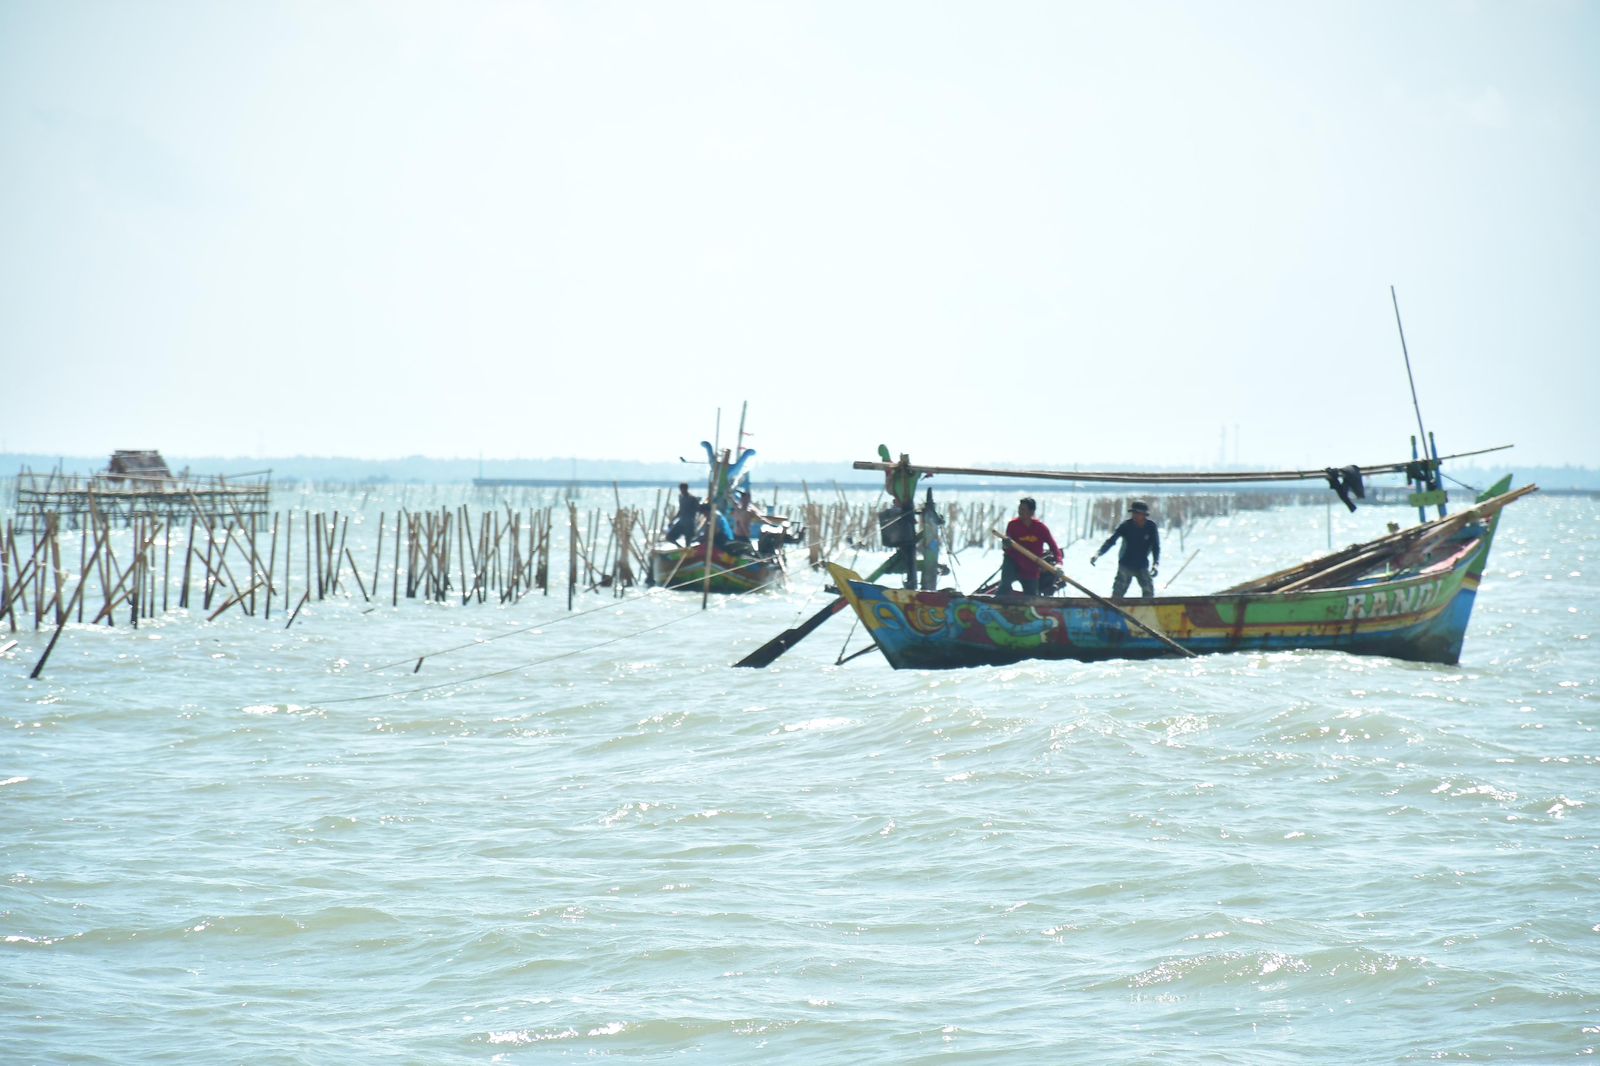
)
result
[(1429, 450)]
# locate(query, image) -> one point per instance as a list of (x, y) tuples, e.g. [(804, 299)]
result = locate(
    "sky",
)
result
[(1033, 234)]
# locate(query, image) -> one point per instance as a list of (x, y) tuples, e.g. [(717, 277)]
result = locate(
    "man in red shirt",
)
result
[(1032, 535)]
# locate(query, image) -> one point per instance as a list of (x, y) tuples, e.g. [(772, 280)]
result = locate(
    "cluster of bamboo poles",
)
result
[(840, 524), (216, 563)]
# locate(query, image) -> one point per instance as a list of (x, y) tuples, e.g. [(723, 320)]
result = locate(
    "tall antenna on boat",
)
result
[(1430, 451), (1422, 434)]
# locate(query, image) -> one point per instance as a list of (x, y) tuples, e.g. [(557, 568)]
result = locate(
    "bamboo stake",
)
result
[(247, 537), (166, 561), (183, 589), (447, 530), (589, 577), (309, 523), (117, 594), (38, 667), (235, 599), (55, 557), (466, 549), (5, 573), (513, 557), (335, 561), (411, 555), (303, 598), (423, 551), (322, 587), (432, 586), (572, 552), (224, 568), (493, 576), (357, 574), (211, 543), (272, 566), (394, 585), (108, 563), (255, 559), (543, 573), (288, 558), (135, 569), (41, 577), (377, 557), (83, 567)]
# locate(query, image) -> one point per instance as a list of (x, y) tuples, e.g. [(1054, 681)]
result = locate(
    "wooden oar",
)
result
[(765, 655), (1101, 600), (768, 653)]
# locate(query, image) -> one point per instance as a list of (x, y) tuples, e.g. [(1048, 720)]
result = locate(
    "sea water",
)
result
[(584, 836)]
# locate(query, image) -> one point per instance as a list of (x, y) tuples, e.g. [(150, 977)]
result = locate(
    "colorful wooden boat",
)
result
[(1407, 596), (685, 569)]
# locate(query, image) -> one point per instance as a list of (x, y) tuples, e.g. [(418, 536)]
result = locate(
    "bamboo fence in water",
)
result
[(104, 568)]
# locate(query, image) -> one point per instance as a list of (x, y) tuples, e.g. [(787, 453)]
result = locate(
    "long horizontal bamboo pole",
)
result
[(1129, 477)]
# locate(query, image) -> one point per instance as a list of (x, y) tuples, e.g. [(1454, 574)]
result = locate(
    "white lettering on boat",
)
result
[(1386, 603)]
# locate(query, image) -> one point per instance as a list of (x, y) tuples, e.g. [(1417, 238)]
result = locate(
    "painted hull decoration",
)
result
[(1406, 596), (685, 569)]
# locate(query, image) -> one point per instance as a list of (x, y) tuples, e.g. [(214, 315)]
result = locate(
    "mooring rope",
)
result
[(681, 586), (506, 670), (1463, 484)]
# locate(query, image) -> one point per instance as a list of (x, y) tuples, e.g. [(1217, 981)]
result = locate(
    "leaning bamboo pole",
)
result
[(5, 575), (572, 552), (394, 583), (38, 667), (118, 593), (272, 566), (377, 556)]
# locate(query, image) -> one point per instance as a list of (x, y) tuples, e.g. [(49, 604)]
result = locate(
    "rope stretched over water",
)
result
[(536, 662), (501, 672), (559, 618)]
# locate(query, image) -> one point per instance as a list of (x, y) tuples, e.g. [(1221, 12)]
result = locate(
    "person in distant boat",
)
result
[(688, 512), (1140, 554), (748, 520), (1033, 535), (720, 531), (747, 517)]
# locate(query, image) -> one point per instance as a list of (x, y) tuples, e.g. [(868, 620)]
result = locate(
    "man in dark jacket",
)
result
[(1140, 555), (683, 526)]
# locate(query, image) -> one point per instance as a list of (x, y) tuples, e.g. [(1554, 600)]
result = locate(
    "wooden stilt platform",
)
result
[(137, 485)]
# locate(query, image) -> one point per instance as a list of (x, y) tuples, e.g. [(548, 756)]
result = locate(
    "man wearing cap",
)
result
[(1033, 535), (1141, 551)]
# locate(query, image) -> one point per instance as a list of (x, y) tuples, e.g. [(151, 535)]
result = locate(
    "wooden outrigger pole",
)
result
[(1129, 477)]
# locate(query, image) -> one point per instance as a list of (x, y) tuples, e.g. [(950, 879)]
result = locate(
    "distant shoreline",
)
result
[(558, 472)]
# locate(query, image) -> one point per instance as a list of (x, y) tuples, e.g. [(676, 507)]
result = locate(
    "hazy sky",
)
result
[(1037, 233)]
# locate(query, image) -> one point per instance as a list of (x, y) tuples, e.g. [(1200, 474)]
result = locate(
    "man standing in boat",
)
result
[(688, 511), (1032, 535), (1141, 551)]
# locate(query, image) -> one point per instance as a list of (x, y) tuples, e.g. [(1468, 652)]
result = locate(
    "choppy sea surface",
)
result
[(588, 837)]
